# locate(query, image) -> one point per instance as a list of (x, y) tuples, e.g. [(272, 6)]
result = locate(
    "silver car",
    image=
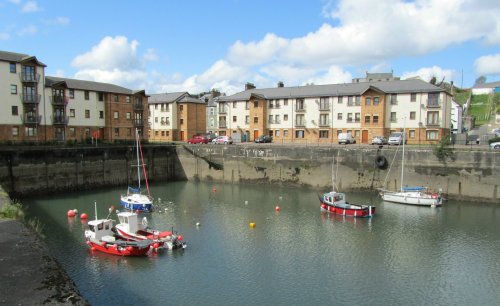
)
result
[(495, 145), (379, 140)]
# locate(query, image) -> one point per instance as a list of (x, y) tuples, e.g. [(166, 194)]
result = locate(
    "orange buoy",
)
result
[(180, 238), (277, 208), (83, 216), (71, 213)]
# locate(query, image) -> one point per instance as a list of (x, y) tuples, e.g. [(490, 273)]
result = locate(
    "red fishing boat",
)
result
[(335, 202), (130, 228)]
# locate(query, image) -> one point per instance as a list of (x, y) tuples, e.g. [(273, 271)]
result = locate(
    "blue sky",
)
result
[(197, 45)]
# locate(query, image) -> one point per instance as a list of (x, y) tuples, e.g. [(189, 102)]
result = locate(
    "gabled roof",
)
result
[(19, 58), (173, 97), (91, 86), (334, 90)]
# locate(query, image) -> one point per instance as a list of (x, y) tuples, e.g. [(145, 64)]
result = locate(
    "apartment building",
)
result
[(318, 113), (176, 116), (43, 108)]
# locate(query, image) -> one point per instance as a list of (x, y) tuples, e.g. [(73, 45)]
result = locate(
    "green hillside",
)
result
[(481, 108), (461, 97)]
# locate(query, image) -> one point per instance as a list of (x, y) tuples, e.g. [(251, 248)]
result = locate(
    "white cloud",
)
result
[(255, 53), (150, 56), (427, 73), (29, 30), (128, 78), (15, 1), (334, 75), (58, 21), (4, 36), (488, 65), (30, 7), (112, 53)]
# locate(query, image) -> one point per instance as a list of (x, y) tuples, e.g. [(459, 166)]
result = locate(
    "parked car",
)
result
[(210, 136), (223, 140), (496, 131), (472, 139), (379, 140), (346, 138), (396, 138), (495, 145), (198, 139), (263, 139)]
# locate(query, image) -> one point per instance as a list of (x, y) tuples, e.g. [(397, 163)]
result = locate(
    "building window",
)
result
[(15, 111), (349, 117), (376, 100), (433, 100), (30, 131), (87, 113), (234, 118), (71, 93), (285, 133), (277, 119), (375, 119), (277, 133), (15, 131), (323, 134), (87, 95), (433, 118), (247, 105), (72, 112), (412, 115), (255, 119), (393, 117), (411, 133), (394, 99), (367, 119), (432, 135), (270, 120), (323, 119), (299, 104), (156, 106), (357, 117), (234, 104), (247, 119), (116, 115), (181, 121), (127, 100), (285, 117), (299, 134), (339, 116), (116, 98), (356, 134), (100, 96), (324, 103), (129, 115), (350, 101), (117, 132), (300, 120), (271, 103), (357, 100), (181, 107), (156, 119), (340, 99), (13, 89), (413, 97), (72, 132), (368, 101), (101, 114), (285, 102), (12, 67)]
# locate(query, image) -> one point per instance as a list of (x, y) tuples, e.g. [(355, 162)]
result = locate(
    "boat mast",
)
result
[(403, 160), (137, 154)]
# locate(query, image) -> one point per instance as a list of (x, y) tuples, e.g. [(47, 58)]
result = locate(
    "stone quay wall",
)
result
[(472, 175)]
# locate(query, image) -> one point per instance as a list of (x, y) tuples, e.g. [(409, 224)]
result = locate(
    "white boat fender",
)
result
[(145, 222)]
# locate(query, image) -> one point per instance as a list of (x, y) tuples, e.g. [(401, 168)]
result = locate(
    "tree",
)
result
[(443, 149), (480, 80), (433, 80)]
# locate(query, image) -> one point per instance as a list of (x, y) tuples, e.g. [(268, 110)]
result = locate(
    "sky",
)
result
[(200, 45)]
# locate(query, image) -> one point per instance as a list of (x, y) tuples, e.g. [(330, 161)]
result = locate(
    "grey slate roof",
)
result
[(488, 85), (332, 90), (172, 97), (89, 85), (17, 57)]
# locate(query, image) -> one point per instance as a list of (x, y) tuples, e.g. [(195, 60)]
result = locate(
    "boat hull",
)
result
[(412, 198), (114, 249), (131, 204), (361, 212), (162, 239)]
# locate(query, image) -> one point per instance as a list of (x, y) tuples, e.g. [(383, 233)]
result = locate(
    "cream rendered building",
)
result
[(318, 113)]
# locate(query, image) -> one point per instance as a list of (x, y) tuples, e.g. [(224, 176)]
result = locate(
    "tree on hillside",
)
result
[(433, 80), (480, 80)]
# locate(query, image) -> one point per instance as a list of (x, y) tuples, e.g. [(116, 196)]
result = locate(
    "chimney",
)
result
[(249, 86), (280, 84)]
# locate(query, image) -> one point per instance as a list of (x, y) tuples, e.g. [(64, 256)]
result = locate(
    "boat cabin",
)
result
[(130, 221), (100, 228), (334, 197)]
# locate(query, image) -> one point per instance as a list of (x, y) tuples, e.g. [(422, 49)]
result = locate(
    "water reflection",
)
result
[(297, 255)]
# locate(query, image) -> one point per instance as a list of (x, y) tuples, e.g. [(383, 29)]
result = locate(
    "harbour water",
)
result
[(297, 256)]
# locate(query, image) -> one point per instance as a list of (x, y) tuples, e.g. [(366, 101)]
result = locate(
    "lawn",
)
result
[(480, 108)]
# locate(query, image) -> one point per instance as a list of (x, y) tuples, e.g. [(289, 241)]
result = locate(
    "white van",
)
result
[(396, 138), (346, 138)]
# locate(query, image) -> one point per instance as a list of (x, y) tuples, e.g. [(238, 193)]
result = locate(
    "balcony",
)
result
[(433, 123), (138, 106), (300, 108), (433, 103), (31, 98), (300, 124), (324, 122), (30, 77), (60, 120), (223, 111), (324, 108), (138, 122), (31, 119), (165, 122), (59, 100)]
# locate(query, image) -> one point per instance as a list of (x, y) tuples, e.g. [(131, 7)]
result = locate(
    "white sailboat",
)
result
[(134, 199), (411, 195)]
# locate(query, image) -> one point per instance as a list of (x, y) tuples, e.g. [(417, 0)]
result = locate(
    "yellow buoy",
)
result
[(252, 225)]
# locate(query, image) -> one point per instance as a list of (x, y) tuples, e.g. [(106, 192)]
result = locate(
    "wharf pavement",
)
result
[(29, 274)]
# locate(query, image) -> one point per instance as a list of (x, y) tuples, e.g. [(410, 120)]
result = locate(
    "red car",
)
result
[(198, 139)]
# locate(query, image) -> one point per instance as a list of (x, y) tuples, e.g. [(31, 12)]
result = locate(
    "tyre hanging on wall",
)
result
[(381, 162)]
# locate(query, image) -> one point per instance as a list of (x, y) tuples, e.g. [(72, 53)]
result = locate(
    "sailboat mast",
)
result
[(137, 154), (403, 160)]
